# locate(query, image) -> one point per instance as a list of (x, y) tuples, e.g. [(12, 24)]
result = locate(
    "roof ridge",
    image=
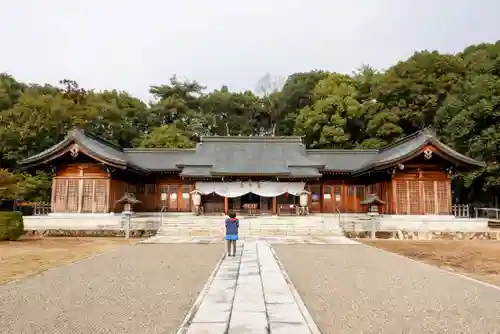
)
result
[(91, 135), (157, 149), (339, 150), (255, 139), (424, 131)]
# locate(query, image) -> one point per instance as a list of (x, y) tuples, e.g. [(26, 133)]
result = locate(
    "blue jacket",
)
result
[(232, 226)]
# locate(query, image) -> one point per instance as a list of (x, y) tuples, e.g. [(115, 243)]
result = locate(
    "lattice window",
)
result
[(351, 190), (401, 197), (73, 195), (414, 194), (172, 198), (360, 192), (100, 195), (337, 191), (87, 195), (442, 197), (429, 197), (60, 195)]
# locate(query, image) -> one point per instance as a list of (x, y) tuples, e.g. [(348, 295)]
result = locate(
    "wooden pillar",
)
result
[(274, 206), (80, 190), (226, 205), (53, 195), (394, 200)]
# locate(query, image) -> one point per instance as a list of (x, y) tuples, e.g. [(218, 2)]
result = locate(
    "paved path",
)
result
[(249, 294), (134, 289), (360, 289)]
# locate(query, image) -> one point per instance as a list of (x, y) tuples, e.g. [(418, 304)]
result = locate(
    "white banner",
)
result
[(237, 189)]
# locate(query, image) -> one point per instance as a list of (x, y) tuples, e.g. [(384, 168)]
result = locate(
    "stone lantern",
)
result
[(304, 203), (128, 200), (373, 202), (196, 199)]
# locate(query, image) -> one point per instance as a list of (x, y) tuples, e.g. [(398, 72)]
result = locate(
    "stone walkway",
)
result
[(249, 294)]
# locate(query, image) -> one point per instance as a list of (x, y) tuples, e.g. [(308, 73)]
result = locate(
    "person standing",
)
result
[(232, 225)]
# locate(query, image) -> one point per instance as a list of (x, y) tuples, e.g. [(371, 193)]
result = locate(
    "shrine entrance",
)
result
[(255, 197)]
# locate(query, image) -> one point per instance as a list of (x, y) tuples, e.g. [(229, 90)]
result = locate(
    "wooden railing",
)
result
[(461, 210), (492, 213)]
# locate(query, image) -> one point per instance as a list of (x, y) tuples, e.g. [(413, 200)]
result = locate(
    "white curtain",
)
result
[(237, 189)]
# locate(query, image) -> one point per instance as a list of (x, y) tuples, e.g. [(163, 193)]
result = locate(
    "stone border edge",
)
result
[(184, 326), (437, 268), (303, 309)]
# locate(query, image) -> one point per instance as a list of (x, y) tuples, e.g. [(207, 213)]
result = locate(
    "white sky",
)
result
[(132, 44)]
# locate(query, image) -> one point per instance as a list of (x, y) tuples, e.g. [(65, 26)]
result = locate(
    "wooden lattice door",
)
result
[(60, 198), (401, 197), (443, 197), (88, 195), (414, 197), (101, 195), (429, 192), (73, 195)]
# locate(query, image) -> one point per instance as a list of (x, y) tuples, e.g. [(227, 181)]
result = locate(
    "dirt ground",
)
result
[(32, 255), (479, 259)]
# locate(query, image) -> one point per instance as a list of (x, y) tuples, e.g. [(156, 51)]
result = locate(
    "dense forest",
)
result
[(457, 95)]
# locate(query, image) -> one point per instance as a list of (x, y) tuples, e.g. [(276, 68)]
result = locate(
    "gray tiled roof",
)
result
[(160, 159), (88, 142), (342, 160), (408, 146), (276, 156), (254, 155)]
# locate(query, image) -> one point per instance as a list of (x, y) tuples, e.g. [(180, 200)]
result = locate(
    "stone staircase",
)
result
[(213, 226)]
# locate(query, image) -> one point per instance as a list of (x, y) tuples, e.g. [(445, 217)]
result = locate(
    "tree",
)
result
[(469, 120), (7, 185), (328, 122), (297, 93), (165, 136), (415, 89), (34, 188)]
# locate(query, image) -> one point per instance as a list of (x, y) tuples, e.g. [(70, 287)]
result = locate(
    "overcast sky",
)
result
[(132, 44)]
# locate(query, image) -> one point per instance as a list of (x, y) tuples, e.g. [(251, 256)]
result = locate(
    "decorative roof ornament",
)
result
[(74, 150), (428, 154)]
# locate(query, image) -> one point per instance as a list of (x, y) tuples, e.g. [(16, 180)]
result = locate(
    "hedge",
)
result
[(11, 225)]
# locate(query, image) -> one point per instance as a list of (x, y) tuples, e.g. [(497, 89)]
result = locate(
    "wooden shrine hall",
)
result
[(263, 174)]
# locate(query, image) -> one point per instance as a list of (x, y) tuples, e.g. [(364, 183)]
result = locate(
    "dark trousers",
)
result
[(229, 243)]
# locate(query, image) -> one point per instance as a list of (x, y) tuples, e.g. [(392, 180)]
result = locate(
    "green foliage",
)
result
[(34, 188), (166, 136), (7, 184), (11, 225)]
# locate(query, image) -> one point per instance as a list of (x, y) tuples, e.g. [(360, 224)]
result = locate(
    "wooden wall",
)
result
[(81, 187), (421, 192), (88, 187)]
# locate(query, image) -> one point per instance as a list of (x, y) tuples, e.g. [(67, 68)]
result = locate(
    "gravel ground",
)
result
[(135, 289), (359, 289)]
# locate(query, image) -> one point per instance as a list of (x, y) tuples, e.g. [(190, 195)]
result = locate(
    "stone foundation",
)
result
[(404, 235), (90, 233)]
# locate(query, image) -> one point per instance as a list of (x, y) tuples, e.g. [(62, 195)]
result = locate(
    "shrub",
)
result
[(11, 225)]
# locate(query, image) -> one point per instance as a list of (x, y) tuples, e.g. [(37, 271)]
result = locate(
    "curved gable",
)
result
[(79, 141)]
